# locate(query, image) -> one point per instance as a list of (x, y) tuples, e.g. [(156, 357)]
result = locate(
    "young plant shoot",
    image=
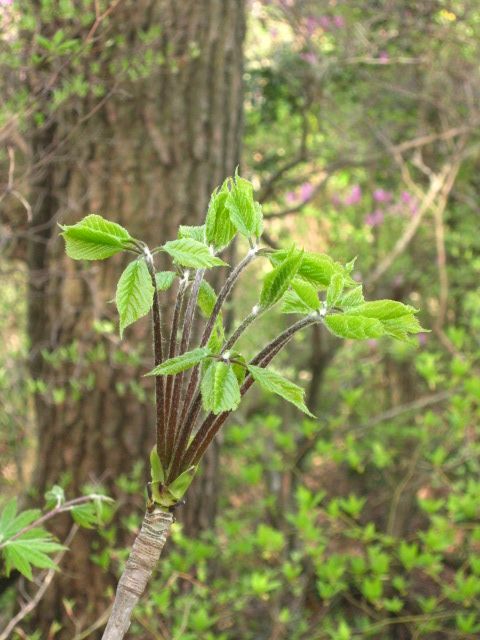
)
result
[(198, 386)]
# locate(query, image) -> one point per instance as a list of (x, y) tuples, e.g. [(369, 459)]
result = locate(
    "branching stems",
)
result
[(171, 354), (158, 358), (185, 342), (213, 423)]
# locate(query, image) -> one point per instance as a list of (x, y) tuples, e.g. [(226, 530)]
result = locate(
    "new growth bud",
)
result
[(147, 254), (226, 355)]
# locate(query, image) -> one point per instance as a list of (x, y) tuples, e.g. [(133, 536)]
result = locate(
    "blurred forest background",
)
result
[(358, 123)]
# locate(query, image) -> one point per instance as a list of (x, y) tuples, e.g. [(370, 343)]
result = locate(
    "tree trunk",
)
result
[(147, 157)]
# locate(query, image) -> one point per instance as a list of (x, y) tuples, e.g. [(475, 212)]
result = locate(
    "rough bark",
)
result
[(142, 560), (147, 157)]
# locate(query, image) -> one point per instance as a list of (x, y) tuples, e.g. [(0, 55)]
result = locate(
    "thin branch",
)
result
[(158, 358), (178, 380), (409, 233), (61, 508), (190, 411), (171, 354), (224, 292), (242, 327), (213, 423), (47, 580)]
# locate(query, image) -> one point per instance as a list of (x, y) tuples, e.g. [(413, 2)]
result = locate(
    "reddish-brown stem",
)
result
[(178, 379), (185, 424), (171, 354), (212, 423), (158, 358)]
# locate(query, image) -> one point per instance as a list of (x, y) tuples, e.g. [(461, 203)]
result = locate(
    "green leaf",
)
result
[(92, 514), (307, 293), (383, 309), (244, 214), (240, 367), (206, 298), (8, 516), (55, 496), (335, 289), (134, 296), (316, 268), (352, 298), (401, 327), (354, 327), (191, 253), (217, 338), (195, 233), (292, 303), (11, 522), (278, 280), (220, 390), (94, 238), (15, 560), (180, 363), (275, 383), (179, 486), (156, 469), (220, 230), (164, 280), (31, 549), (350, 265)]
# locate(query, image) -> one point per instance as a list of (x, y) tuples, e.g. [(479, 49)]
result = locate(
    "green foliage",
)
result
[(180, 363), (354, 327), (220, 389), (196, 233), (94, 238), (164, 280), (245, 213), (134, 296), (157, 472), (188, 252), (315, 268), (275, 383), (206, 298), (276, 283), (220, 230), (23, 545)]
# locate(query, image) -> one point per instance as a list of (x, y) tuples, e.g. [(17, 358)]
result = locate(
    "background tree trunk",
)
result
[(148, 157)]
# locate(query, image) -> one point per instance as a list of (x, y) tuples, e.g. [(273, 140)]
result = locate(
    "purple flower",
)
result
[(312, 25), (383, 57), (375, 218), (6, 3), (291, 197), (405, 197), (380, 195), (422, 338), (306, 191), (354, 196), (339, 22), (325, 22), (309, 57)]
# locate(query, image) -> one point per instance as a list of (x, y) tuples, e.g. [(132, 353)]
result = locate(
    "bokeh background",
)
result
[(358, 123)]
